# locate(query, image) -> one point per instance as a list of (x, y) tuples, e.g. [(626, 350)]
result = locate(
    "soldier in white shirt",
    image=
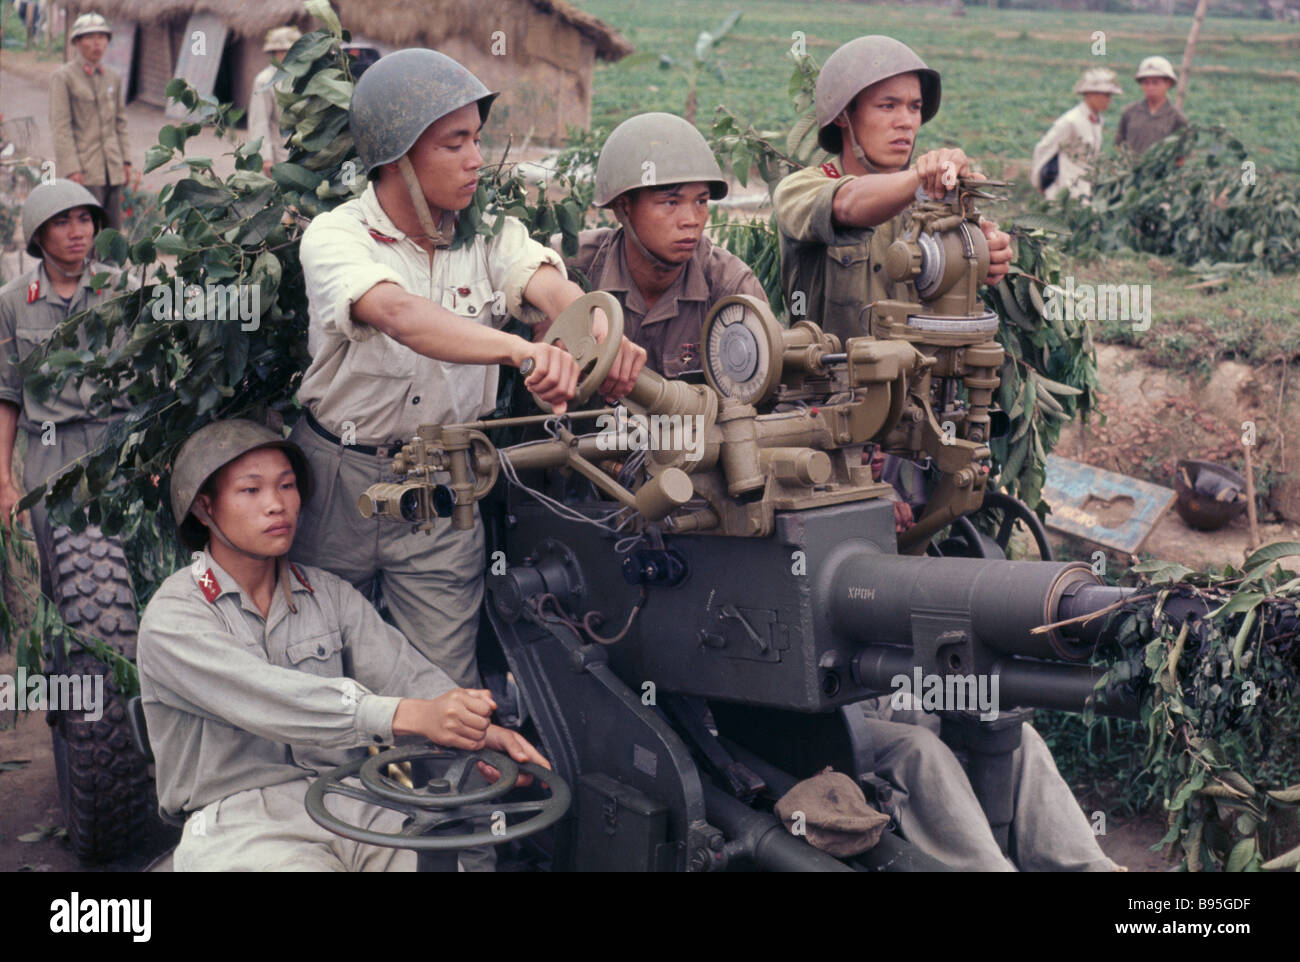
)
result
[(263, 111), (1073, 142), (405, 331)]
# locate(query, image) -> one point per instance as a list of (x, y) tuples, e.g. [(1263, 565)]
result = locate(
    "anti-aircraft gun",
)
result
[(692, 623)]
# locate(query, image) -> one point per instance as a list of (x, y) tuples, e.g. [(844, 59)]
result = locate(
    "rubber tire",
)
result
[(104, 784)]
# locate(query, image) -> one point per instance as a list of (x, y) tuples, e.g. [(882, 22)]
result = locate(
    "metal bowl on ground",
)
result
[(1209, 494)]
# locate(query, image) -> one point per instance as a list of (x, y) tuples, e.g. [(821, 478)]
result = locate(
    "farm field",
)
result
[(1006, 73)]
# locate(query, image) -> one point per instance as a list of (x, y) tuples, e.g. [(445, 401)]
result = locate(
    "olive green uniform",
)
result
[(243, 710), (1139, 128), (60, 429), (88, 122), (833, 272)]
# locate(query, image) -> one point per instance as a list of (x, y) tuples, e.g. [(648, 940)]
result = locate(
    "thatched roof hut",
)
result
[(539, 53)]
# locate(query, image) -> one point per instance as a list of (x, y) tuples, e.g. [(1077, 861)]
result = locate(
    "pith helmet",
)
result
[(655, 150), (280, 39), (1098, 80), (210, 449), (53, 198), (90, 23), (1156, 67), (859, 64), (398, 98)]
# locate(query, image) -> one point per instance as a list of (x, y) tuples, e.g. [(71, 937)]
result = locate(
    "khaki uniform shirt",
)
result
[(1139, 128), (670, 330), (29, 311), (264, 117), (362, 375), (832, 271), (1076, 137), (88, 122), (235, 701)]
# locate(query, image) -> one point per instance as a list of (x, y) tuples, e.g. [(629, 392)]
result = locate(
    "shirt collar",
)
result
[(227, 585), (47, 287), (377, 218), (88, 68), (616, 275)]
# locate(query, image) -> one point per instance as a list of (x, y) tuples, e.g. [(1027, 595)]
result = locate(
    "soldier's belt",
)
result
[(382, 451)]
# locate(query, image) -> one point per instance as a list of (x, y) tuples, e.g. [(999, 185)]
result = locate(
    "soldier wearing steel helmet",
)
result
[(837, 220), (1152, 118), (263, 110), (405, 331), (657, 175), (60, 221), (88, 118), (257, 674), (835, 223)]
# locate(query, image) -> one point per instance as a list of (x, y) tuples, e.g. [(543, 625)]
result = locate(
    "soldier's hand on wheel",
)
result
[(457, 719), (517, 747), (623, 375), (999, 251), (939, 170), (554, 377)]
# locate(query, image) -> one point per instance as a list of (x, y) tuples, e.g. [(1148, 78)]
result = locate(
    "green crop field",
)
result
[(1006, 73)]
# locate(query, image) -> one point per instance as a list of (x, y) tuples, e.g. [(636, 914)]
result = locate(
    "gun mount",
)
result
[(694, 621)]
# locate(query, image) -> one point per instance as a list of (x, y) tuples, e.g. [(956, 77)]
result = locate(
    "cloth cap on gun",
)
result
[(210, 449), (48, 200)]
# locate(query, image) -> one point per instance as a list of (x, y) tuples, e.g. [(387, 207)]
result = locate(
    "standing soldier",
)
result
[(1073, 142), (1151, 120), (657, 175), (88, 119), (60, 220), (263, 110), (871, 98), (404, 332)]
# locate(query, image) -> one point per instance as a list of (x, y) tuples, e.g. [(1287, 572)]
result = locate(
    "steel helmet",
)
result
[(90, 23), (1156, 67), (206, 452), (53, 198), (856, 66), (402, 94), (655, 150)]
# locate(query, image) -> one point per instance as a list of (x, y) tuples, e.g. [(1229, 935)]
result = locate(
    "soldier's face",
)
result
[(885, 119), (1097, 102), (670, 220), (446, 159), (66, 237), (1155, 89), (92, 46), (256, 502)]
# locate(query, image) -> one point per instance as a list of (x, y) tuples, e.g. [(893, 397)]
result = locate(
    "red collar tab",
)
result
[(209, 585), (382, 238), (297, 573), (33, 291), (92, 69), (830, 170)]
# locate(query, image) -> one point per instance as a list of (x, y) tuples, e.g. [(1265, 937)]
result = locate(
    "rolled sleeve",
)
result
[(805, 209), (513, 259), (195, 664), (339, 270)]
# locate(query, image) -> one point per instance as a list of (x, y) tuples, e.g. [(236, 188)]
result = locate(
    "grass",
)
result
[(1007, 74), (1252, 319)]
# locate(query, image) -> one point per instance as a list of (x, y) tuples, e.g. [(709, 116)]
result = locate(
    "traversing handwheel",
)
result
[(573, 327), (441, 803), (965, 540)]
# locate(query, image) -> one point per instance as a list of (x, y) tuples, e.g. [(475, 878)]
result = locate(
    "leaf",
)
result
[(322, 11), (1242, 601), (1241, 855), (1163, 572), (1273, 552), (332, 86), (111, 245)]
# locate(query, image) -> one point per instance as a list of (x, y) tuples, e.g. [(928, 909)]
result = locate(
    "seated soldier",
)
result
[(835, 223), (657, 175), (257, 675)]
